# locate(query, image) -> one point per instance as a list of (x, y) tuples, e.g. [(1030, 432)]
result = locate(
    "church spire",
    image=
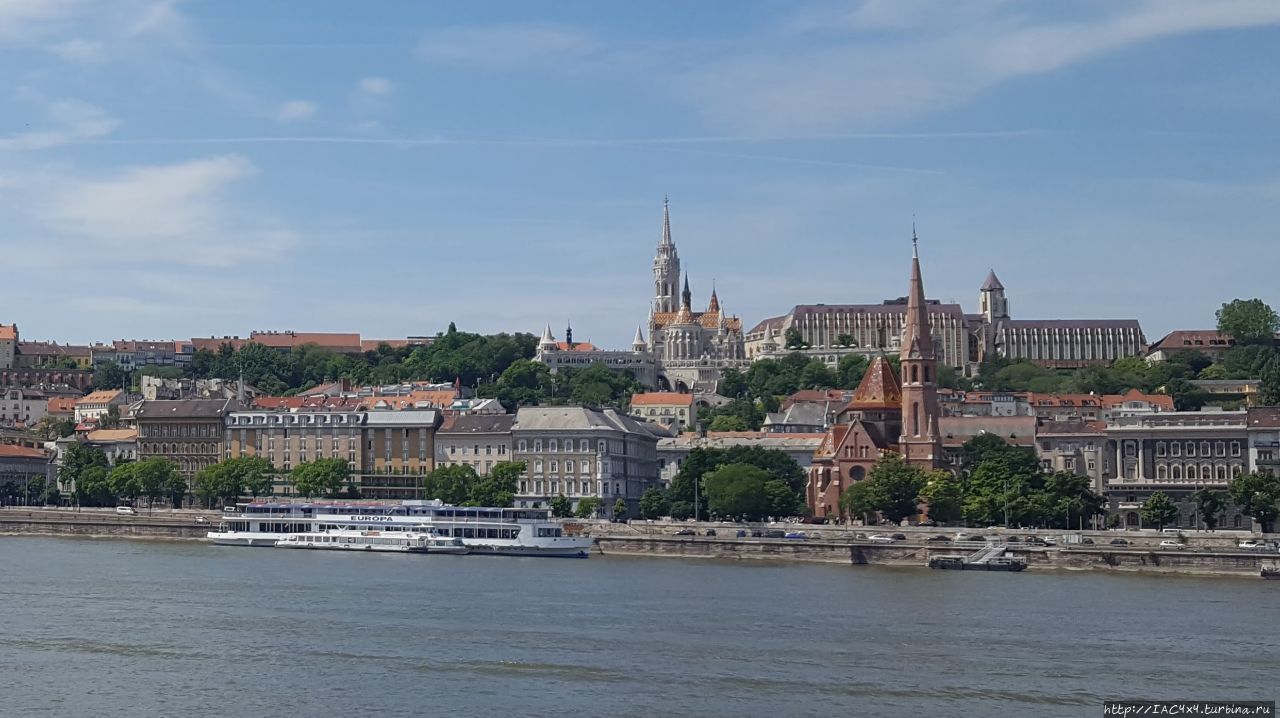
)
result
[(917, 340), (686, 297), (638, 344), (714, 304), (666, 222)]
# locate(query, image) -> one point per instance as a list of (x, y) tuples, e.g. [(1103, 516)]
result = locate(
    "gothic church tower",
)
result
[(921, 444), (666, 269)]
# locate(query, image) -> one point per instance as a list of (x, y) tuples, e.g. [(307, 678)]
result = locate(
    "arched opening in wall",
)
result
[(915, 418), (1237, 522), (915, 375), (1176, 471)]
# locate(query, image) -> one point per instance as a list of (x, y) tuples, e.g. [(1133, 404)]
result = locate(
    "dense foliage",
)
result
[(1159, 510), (780, 473), (460, 485), (527, 382), (229, 480), (997, 478), (1258, 496), (322, 477)]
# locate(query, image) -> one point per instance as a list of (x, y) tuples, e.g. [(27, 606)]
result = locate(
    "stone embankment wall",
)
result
[(17, 521)]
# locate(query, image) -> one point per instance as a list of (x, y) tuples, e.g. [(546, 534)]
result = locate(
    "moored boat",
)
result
[(381, 541), (483, 530)]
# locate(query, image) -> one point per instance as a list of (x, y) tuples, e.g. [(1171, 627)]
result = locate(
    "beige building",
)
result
[(95, 405), (478, 440), (664, 407), (1075, 447), (188, 432), (22, 407), (388, 451)]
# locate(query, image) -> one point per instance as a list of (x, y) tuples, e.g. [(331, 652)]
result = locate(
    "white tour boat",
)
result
[(493, 531), (389, 541)]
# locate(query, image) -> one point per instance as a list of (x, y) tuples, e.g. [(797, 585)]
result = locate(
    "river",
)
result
[(153, 628)]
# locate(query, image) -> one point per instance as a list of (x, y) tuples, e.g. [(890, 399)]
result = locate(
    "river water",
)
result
[(134, 628)]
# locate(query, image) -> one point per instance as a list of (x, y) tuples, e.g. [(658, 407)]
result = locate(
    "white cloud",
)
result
[(78, 49), (179, 212), (68, 121), (918, 61), (503, 46), (20, 20), (379, 86), (295, 111)]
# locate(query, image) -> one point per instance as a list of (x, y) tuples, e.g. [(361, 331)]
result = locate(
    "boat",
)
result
[(1270, 572), (383, 541), (483, 530)]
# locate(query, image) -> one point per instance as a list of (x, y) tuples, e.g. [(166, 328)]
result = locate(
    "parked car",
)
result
[(1087, 540), (1119, 542), (686, 532), (1015, 539), (1049, 542), (969, 537), (128, 510), (775, 533), (796, 535), (756, 533), (1249, 544), (742, 533), (814, 520), (938, 539), (1036, 541), (711, 532), (899, 537), (201, 520), (880, 538), (1171, 544)]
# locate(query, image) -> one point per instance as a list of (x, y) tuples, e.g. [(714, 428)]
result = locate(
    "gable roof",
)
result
[(662, 398), (102, 396), (879, 388), (10, 451)]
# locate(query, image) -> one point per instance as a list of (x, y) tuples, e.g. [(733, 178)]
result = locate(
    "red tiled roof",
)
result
[(289, 340), (369, 345), (62, 405), (879, 388), (21, 452), (1193, 338), (661, 397), (102, 396), (9, 332), (577, 347)]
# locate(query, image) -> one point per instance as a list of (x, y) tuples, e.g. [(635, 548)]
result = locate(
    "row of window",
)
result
[(584, 445), (1188, 448), (179, 430), (489, 450), (553, 466), (569, 488), (1191, 472)]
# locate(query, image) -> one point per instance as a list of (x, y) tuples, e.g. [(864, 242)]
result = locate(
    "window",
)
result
[(1192, 474), (1235, 448), (552, 446), (1220, 448), (1161, 471), (1191, 448), (537, 465), (522, 446), (1175, 448), (1160, 449), (1222, 472), (568, 466), (555, 466), (537, 444), (584, 445), (524, 487), (1204, 448)]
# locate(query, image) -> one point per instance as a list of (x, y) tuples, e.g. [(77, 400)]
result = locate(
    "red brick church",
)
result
[(887, 414)]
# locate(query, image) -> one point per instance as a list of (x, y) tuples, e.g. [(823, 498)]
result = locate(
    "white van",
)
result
[(1170, 531), (126, 510)]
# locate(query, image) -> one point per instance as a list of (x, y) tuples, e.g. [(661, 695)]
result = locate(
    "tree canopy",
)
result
[(321, 477), (1159, 510), (1249, 321), (701, 462), (1258, 496), (460, 485)]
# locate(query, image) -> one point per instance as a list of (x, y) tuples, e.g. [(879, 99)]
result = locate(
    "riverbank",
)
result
[(100, 523)]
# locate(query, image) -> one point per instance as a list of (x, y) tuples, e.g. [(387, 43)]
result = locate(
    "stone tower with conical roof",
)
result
[(991, 299), (920, 443)]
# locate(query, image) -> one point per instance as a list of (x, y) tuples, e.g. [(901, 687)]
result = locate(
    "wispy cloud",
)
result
[(889, 62), (66, 121), (504, 46), (178, 209), (377, 86), (295, 111)]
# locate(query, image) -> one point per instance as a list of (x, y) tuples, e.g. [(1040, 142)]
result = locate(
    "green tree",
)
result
[(93, 487), (321, 477), (945, 497), (793, 339), (681, 510), (733, 384), (620, 510), (1209, 504), (588, 507), (780, 500), (1269, 387), (844, 340), (895, 487), (1159, 510), (1249, 321), (109, 375), (736, 491), (124, 482), (850, 370), (52, 428), (450, 484), (76, 459), (653, 503), (175, 487), (35, 492), (1257, 495), (154, 478), (561, 506), (856, 501), (498, 487), (728, 423)]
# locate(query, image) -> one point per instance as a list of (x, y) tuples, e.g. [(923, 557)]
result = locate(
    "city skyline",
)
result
[(188, 169)]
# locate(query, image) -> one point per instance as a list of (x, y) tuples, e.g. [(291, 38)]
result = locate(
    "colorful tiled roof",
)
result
[(879, 388)]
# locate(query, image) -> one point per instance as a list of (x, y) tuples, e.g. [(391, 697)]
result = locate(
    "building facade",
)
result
[(561, 355), (388, 452), (94, 405), (476, 440), (1263, 428), (673, 450), (19, 466), (670, 409), (22, 408), (188, 432), (8, 345), (578, 453), (1175, 453)]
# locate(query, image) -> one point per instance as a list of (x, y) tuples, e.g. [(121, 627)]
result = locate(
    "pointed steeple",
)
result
[(638, 343), (666, 222), (686, 297), (879, 388), (917, 341), (714, 304), (992, 283), (547, 340)]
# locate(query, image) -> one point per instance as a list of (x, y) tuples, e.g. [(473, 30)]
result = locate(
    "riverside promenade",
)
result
[(106, 523), (1202, 552)]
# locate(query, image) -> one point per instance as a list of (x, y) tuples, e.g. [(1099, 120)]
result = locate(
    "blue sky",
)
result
[(176, 169)]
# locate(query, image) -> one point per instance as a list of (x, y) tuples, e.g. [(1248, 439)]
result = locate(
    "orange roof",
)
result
[(213, 344), (62, 405), (112, 435), (289, 340), (440, 398), (8, 331), (879, 388), (369, 345), (662, 398), (21, 452), (1164, 401), (102, 396)]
